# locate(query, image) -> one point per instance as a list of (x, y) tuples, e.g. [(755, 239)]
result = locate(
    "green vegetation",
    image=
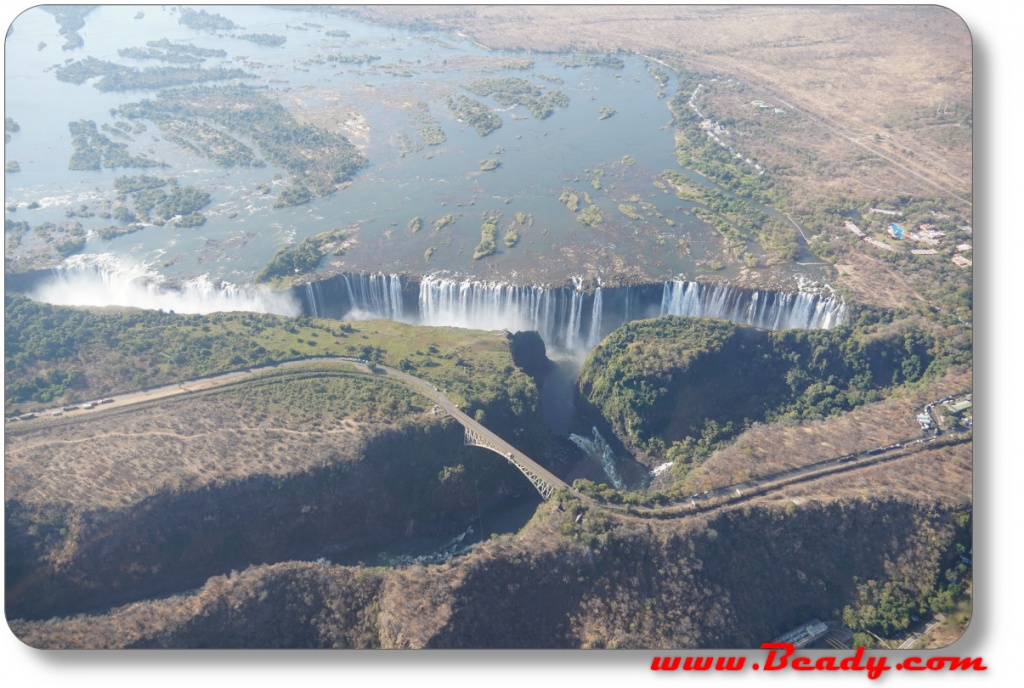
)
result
[(429, 253), (114, 231), (152, 203), (522, 63), (70, 18), (676, 387), (605, 113), (444, 222), (353, 59), (93, 150), (737, 221), (212, 143), (201, 20), (660, 75), (12, 166), (487, 245), (511, 237), (10, 127), (402, 68), (886, 607), (415, 224), (473, 113), (304, 258), (630, 211), (318, 160), (590, 216), (593, 61), (269, 39), (165, 51), (42, 245), (115, 77), (56, 354), (511, 91), (571, 200), (695, 150), (489, 164), (438, 42)]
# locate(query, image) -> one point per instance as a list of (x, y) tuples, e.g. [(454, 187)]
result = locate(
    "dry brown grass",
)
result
[(874, 283), (854, 68), (113, 461), (934, 474), (767, 449)]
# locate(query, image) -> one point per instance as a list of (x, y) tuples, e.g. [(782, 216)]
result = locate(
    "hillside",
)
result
[(607, 581), (674, 388)]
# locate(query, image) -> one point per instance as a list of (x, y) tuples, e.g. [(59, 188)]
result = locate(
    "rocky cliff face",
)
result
[(734, 578), (405, 480)]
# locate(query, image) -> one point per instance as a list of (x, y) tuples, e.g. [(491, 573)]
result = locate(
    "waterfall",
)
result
[(315, 298), (595, 321), (765, 309), (568, 319), (486, 306), (105, 280), (598, 449), (572, 328), (374, 296)]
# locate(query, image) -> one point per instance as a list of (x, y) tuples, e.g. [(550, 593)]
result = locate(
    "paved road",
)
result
[(416, 384), (702, 500), (502, 447)]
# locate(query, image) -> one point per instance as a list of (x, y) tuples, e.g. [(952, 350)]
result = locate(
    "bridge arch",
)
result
[(544, 484)]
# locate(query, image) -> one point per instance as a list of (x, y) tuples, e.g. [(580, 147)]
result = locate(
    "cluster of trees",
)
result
[(152, 203), (737, 221), (133, 349), (676, 387), (511, 91), (352, 59), (166, 51), (590, 216), (697, 151), (319, 160), (443, 222), (660, 75), (593, 61), (70, 18), (115, 77), (605, 112), (487, 245), (303, 258), (93, 150), (10, 127), (474, 113), (570, 199), (201, 20), (887, 607), (269, 39)]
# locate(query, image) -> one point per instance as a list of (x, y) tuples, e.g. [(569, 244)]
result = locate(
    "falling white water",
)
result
[(103, 280), (595, 321), (765, 309), (599, 450), (315, 298), (374, 296)]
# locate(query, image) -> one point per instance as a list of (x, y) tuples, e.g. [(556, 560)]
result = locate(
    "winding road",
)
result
[(545, 482)]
